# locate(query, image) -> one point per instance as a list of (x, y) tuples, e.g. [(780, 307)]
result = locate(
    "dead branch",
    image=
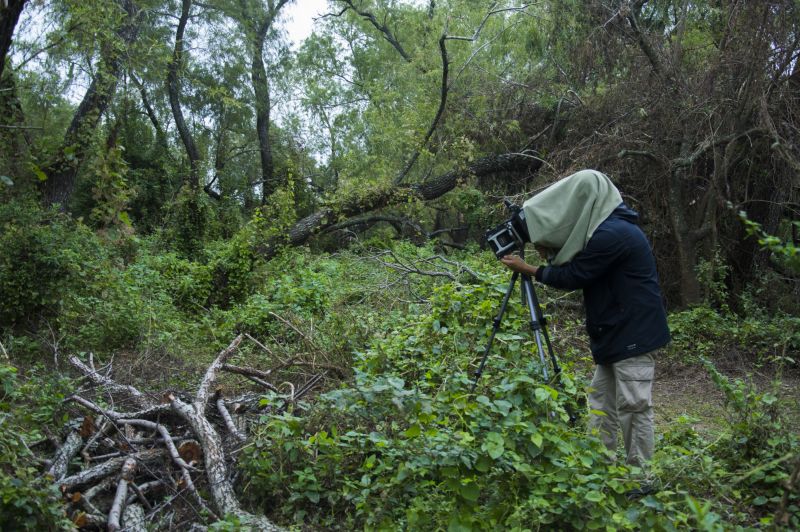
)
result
[(221, 489), (204, 391), (121, 449), (107, 468), (64, 454), (244, 370), (407, 268), (128, 469), (226, 416), (139, 398)]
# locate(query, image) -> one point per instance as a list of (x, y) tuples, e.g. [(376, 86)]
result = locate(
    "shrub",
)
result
[(27, 500)]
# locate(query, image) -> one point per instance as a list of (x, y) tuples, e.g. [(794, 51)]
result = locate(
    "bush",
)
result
[(407, 446), (28, 501), (45, 256)]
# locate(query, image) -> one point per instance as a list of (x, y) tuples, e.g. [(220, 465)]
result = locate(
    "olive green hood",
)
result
[(564, 216)]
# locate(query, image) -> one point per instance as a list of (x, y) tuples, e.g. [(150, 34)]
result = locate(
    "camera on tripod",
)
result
[(511, 235)]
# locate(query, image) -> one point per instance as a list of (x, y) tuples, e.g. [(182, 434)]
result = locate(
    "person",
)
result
[(596, 245)]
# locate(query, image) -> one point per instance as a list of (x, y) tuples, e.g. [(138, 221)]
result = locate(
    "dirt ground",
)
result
[(688, 390)]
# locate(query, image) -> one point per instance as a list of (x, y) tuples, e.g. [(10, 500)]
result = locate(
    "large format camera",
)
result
[(511, 235)]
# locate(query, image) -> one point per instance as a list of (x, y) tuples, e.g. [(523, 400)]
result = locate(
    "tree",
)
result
[(10, 11), (61, 173), (257, 20)]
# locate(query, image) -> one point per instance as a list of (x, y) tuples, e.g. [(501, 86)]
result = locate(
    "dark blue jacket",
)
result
[(625, 314)]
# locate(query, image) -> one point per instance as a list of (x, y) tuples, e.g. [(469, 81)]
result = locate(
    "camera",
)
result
[(510, 235)]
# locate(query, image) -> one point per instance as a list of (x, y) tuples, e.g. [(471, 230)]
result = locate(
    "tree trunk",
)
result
[(175, 103), (262, 105), (62, 173), (379, 198), (10, 11)]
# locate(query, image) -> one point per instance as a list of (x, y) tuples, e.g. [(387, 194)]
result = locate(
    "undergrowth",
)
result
[(398, 441)]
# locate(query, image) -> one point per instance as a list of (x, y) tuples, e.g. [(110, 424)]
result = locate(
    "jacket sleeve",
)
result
[(602, 251)]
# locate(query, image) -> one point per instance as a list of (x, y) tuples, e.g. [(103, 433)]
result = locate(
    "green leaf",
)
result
[(470, 491), (494, 445), (594, 496), (537, 439), (38, 172), (413, 431), (6, 181)]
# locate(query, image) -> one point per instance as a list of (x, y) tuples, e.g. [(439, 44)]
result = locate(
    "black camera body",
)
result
[(510, 235)]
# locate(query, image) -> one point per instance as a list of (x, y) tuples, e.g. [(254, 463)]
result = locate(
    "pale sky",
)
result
[(298, 18)]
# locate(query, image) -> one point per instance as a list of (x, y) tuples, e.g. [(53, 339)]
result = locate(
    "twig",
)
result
[(259, 344), (226, 417), (106, 382)]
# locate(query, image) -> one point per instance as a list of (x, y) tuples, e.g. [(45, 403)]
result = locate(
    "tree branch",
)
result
[(385, 31), (442, 102)]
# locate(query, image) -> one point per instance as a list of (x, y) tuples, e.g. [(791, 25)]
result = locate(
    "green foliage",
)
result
[(764, 336), (783, 250), (740, 472), (188, 218), (711, 274), (27, 500), (406, 445), (46, 256)]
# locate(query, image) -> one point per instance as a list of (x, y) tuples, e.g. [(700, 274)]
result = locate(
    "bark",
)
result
[(64, 454), (219, 483), (133, 518), (261, 90), (107, 468), (10, 11), (128, 469), (62, 173), (259, 25)]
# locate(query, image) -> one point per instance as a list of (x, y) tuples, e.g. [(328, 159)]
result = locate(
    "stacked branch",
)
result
[(161, 456)]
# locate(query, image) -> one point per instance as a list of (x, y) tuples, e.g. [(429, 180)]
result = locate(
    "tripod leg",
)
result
[(495, 328), (536, 324)]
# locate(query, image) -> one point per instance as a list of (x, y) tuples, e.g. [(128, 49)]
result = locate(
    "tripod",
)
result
[(537, 326)]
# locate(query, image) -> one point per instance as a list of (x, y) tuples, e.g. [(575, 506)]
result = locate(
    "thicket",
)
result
[(399, 441)]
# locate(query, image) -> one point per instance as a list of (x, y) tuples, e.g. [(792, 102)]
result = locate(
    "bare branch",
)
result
[(442, 102), (204, 391), (385, 31)]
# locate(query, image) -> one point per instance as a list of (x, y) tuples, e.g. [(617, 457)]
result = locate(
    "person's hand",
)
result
[(516, 264)]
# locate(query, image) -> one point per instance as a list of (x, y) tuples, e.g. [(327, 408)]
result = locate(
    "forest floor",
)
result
[(687, 390)]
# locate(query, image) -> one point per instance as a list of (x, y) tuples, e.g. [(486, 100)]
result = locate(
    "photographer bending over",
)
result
[(596, 246)]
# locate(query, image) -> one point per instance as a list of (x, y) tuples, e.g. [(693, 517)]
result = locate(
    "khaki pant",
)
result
[(623, 392)]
